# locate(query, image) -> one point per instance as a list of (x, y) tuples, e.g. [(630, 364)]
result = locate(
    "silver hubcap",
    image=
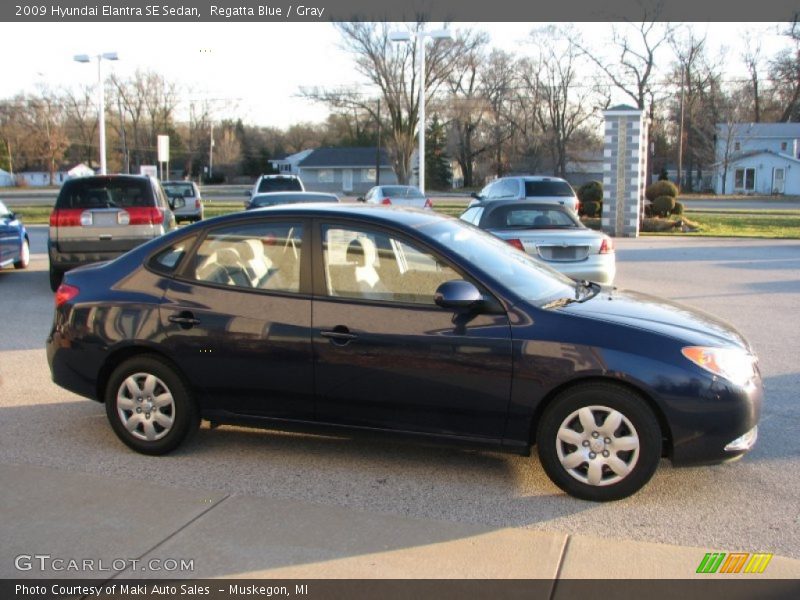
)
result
[(597, 445), (145, 406)]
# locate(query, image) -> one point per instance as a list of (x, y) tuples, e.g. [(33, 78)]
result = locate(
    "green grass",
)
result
[(766, 224)]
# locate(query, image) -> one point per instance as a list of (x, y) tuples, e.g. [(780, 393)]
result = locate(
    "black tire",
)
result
[(183, 410), (56, 276), (24, 255), (605, 400)]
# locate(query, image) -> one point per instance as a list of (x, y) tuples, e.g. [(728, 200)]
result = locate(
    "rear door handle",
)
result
[(185, 319)]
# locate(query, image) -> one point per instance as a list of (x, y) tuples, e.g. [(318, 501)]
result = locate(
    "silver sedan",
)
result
[(550, 233), (397, 195)]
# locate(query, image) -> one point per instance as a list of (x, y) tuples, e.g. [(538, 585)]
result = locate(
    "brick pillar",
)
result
[(624, 170)]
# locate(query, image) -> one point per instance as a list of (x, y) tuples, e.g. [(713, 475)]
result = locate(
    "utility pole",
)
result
[(211, 154), (378, 150), (680, 134)]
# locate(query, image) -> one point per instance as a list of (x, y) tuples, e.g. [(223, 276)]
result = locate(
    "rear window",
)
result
[(262, 201), (530, 217), (184, 189), (105, 193), (547, 188), (399, 191), (280, 184)]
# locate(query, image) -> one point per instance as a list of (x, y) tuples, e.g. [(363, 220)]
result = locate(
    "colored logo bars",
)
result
[(735, 562)]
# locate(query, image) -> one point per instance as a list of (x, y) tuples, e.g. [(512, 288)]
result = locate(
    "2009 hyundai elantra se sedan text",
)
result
[(320, 316)]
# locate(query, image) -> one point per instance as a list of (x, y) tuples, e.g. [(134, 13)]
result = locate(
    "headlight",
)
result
[(737, 366)]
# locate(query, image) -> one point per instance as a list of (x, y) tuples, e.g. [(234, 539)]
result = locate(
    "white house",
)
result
[(758, 158), (6, 180), (290, 164)]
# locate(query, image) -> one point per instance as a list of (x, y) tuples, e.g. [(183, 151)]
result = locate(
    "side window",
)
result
[(168, 260), (263, 256), (373, 265)]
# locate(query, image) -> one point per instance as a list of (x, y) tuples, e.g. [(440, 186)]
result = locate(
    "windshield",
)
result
[(547, 188), (525, 276)]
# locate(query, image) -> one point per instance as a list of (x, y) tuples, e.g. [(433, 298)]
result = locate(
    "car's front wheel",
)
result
[(24, 255), (149, 406), (599, 442)]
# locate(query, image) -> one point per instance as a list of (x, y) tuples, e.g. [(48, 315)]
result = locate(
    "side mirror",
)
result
[(475, 195), (457, 294)]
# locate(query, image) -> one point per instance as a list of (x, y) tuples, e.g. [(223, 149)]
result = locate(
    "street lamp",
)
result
[(405, 36), (85, 58)]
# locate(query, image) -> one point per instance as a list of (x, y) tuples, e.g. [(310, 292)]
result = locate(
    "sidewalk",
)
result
[(79, 517)]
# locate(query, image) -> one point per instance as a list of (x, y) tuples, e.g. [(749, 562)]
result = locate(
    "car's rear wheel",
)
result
[(149, 406), (56, 277), (599, 442), (24, 256)]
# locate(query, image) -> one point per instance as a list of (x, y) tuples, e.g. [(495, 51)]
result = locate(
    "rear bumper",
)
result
[(65, 259)]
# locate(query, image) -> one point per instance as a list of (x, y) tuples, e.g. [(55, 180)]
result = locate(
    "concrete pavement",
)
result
[(132, 529)]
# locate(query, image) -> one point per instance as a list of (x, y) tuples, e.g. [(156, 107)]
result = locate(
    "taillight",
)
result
[(386, 201), (70, 217), (428, 203), (517, 243), (145, 215), (197, 203), (65, 293), (607, 246)]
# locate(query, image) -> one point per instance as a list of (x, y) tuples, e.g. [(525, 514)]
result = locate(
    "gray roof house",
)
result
[(350, 171), (757, 158)]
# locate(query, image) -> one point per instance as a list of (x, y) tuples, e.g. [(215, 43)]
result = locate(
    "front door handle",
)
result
[(340, 335), (185, 319)]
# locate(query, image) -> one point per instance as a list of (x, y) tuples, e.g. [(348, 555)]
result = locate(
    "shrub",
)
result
[(663, 206), (592, 208), (661, 188), (591, 191), (678, 209), (648, 210)]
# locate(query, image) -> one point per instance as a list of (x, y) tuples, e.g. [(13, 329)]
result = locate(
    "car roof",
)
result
[(377, 214), (495, 204)]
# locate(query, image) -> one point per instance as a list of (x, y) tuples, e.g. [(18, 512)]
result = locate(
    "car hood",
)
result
[(660, 315)]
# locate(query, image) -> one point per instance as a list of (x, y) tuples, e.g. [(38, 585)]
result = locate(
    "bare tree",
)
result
[(565, 105), (785, 73), (80, 113), (752, 60), (392, 69)]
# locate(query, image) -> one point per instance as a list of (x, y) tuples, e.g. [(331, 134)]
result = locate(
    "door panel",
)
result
[(387, 356), (240, 338)]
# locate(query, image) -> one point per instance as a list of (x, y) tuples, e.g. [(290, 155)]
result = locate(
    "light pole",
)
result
[(101, 99), (405, 36)]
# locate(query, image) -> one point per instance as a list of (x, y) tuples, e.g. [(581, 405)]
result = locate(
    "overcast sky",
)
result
[(253, 70)]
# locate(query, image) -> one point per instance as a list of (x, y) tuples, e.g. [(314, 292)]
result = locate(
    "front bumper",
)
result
[(724, 429)]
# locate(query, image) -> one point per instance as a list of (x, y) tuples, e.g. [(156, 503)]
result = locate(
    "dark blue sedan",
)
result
[(15, 247), (320, 316)]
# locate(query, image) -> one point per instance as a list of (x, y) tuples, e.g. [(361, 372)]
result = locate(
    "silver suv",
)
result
[(98, 218), (193, 203), (546, 190)]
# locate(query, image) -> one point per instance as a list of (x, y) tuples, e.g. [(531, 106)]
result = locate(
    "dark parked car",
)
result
[(551, 233), (275, 198), (402, 320), (15, 247), (98, 218)]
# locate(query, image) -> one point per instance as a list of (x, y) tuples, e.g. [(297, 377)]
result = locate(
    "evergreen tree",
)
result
[(438, 173)]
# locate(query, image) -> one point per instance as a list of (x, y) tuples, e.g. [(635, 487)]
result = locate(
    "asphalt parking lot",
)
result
[(749, 506)]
